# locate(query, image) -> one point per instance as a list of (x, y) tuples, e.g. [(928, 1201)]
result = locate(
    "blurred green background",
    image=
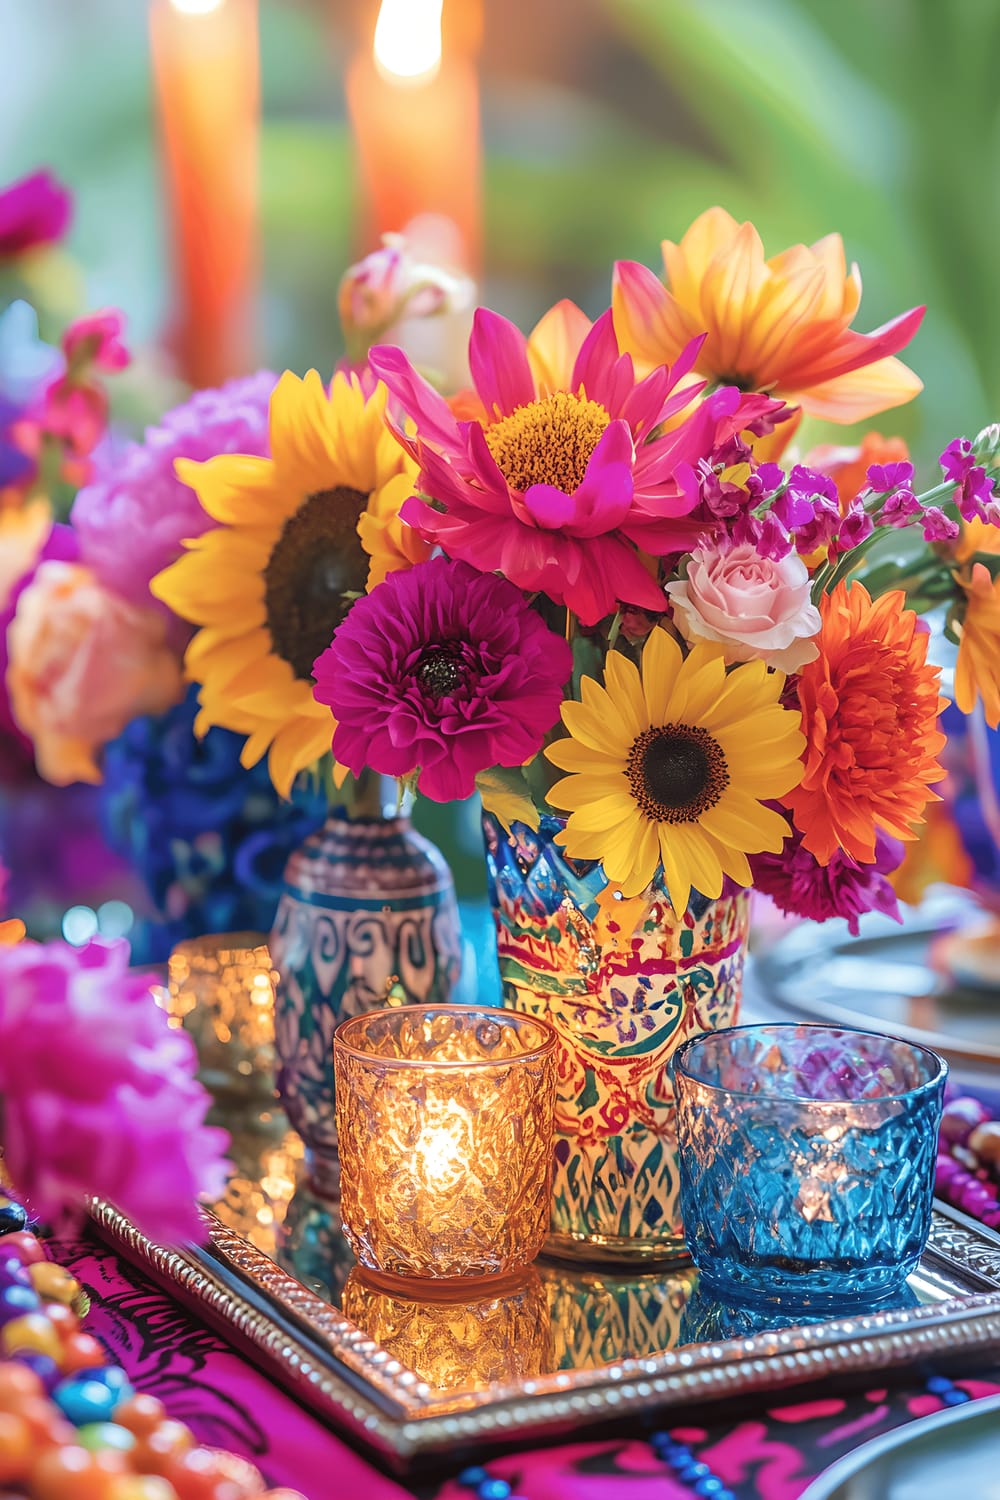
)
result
[(607, 126)]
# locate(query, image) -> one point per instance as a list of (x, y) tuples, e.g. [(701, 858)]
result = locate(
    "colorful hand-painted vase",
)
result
[(367, 917), (623, 983)]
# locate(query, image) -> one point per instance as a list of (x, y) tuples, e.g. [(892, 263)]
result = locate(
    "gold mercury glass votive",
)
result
[(445, 1119), (221, 990)]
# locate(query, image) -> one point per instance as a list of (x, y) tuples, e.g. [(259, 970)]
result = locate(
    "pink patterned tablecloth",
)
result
[(229, 1403)]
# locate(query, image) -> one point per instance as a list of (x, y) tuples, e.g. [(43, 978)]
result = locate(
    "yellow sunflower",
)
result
[(673, 766), (300, 535)]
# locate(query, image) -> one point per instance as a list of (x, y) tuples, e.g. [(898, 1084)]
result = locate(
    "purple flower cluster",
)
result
[(973, 486), (798, 884), (99, 1092), (444, 671), (133, 518)]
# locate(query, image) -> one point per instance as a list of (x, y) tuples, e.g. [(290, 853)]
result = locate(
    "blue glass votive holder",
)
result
[(806, 1160)]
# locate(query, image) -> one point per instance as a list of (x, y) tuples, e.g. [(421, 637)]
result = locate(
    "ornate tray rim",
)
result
[(344, 1376)]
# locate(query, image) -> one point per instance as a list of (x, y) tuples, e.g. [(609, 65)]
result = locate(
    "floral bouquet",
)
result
[(586, 587)]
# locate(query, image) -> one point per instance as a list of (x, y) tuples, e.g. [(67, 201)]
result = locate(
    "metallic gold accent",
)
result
[(358, 1387)]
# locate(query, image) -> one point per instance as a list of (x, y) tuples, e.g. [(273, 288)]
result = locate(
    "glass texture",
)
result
[(221, 990), (495, 1338), (807, 1160), (445, 1120), (588, 1318)]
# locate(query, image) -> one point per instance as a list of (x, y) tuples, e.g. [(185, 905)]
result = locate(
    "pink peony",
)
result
[(99, 1092), (443, 671), (798, 884), (34, 211), (82, 663), (563, 479), (133, 518), (758, 607)]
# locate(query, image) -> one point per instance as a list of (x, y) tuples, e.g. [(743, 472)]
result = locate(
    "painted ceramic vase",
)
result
[(367, 917), (623, 983)]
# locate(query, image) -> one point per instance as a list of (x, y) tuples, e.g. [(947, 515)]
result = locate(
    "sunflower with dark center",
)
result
[(671, 768), (299, 536)]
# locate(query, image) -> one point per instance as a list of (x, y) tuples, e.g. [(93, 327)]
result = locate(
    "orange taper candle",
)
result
[(206, 72), (415, 114)]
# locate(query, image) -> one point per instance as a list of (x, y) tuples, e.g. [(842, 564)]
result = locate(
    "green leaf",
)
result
[(504, 792)]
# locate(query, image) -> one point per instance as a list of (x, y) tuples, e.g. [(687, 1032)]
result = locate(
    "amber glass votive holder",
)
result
[(445, 1120)]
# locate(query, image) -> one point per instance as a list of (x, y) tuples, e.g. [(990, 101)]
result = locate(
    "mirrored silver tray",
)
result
[(417, 1382)]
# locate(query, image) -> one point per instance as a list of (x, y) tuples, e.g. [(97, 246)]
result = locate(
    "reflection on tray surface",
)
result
[(554, 1318)]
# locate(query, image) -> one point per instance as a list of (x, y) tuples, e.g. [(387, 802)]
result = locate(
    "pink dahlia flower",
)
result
[(557, 482), (444, 671), (134, 517), (34, 211), (799, 885), (99, 1092)]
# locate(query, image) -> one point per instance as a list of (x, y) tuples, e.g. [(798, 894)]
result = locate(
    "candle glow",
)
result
[(407, 44)]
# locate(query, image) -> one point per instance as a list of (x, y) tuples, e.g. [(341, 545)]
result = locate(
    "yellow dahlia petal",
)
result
[(676, 879), (578, 791), (571, 755), (624, 686), (237, 489), (661, 662), (695, 855)]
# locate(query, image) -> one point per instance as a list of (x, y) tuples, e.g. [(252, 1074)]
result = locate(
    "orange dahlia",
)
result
[(870, 707)]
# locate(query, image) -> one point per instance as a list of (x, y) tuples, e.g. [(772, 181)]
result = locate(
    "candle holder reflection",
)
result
[(807, 1160), (598, 1319), (445, 1119), (221, 990), (458, 1341)]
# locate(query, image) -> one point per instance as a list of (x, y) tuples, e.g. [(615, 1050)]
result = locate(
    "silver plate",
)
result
[(601, 1349), (953, 1452)]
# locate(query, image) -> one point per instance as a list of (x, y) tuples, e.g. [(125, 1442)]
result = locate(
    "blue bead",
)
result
[(471, 1477), (12, 1216), (84, 1401), (711, 1487), (938, 1384), (113, 1376), (696, 1471), (494, 1489), (43, 1365), (15, 1301), (955, 1397)]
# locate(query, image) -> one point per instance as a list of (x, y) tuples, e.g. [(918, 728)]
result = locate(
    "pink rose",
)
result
[(82, 662), (756, 607)]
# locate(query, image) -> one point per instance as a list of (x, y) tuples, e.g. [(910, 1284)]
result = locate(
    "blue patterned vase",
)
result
[(367, 916), (623, 983)]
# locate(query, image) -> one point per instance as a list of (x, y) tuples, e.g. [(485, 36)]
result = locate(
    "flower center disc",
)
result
[(548, 442), (317, 565), (441, 670), (676, 773)]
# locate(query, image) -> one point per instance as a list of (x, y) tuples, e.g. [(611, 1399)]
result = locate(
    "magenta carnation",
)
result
[(798, 884), (134, 516), (99, 1092), (444, 671)]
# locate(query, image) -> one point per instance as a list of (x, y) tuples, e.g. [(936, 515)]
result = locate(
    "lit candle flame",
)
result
[(407, 39), (196, 7), (443, 1149)]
